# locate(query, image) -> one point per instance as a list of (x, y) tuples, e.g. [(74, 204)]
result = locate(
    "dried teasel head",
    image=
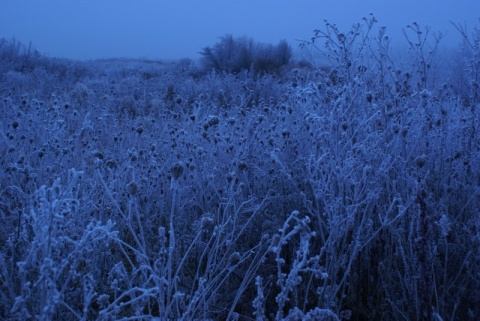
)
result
[(420, 161), (132, 188), (177, 169), (234, 258)]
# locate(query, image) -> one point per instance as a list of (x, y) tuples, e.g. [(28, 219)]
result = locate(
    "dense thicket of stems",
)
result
[(141, 190)]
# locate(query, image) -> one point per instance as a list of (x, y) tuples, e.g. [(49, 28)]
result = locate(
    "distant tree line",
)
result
[(235, 54)]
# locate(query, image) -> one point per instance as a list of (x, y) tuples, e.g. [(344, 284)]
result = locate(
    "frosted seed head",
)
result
[(242, 166), (420, 161), (369, 97), (132, 188), (213, 121), (176, 170), (234, 259), (98, 154)]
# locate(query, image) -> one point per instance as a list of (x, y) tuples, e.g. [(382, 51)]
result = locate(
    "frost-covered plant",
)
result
[(468, 85), (469, 63), (290, 277), (423, 44), (46, 273), (344, 51)]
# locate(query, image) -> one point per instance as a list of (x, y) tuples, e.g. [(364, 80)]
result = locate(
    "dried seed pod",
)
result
[(234, 258), (176, 170), (132, 188), (420, 161)]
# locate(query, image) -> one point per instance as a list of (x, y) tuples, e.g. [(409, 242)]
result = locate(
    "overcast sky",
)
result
[(89, 29)]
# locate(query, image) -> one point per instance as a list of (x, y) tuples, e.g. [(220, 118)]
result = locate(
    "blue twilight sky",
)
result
[(89, 29)]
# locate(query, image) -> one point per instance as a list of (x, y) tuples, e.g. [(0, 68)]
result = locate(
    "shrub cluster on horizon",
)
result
[(236, 54), (135, 190)]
